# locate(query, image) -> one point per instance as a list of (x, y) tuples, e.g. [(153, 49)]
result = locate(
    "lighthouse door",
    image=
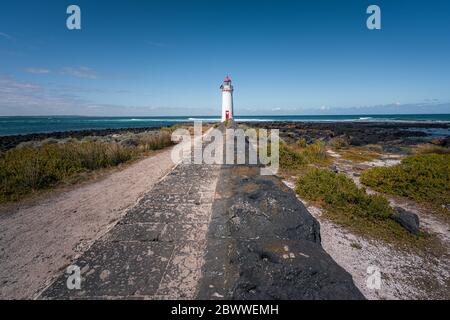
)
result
[(227, 114)]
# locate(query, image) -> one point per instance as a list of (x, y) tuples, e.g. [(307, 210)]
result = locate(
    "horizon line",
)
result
[(242, 115)]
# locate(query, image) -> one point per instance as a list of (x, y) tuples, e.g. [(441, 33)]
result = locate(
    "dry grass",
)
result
[(358, 154), (297, 156), (42, 165), (428, 148)]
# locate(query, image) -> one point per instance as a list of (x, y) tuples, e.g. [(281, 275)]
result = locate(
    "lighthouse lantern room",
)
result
[(227, 99)]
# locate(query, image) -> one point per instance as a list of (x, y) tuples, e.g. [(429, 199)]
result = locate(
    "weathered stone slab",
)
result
[(117, 269), (179, 213), (218, 273), (173, 198), (184, 270), (184, 232), (143, 232)]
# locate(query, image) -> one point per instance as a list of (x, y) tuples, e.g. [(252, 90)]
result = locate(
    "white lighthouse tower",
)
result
[(227, 99)]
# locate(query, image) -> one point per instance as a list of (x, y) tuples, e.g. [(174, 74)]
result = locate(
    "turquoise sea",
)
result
[(24, 125)]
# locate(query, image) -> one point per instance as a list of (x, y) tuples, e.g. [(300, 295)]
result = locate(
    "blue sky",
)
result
[(167, 57)]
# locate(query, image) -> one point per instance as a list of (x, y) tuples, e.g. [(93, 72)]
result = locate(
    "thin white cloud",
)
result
[(26, 98), (80, 72), (37, 70), (8, 84), (5, 35), (156, 44)]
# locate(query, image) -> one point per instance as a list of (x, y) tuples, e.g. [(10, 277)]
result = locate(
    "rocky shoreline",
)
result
[(360, 133)]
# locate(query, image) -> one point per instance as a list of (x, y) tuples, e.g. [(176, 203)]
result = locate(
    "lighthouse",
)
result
[(227, 99)]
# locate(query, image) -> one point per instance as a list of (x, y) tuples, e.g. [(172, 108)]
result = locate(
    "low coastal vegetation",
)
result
[(428, 148), (337, 192), (359, 154), (353, 153), (39, 165), (297, 156), (341, 200), (424, 178), (346, 204)]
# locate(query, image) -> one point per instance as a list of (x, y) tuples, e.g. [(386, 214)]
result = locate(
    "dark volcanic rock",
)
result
[(446, 142), (408, 220), (264, 244), (263, 207), (289, 270), (333, 168), (437, 141), (356, 133)]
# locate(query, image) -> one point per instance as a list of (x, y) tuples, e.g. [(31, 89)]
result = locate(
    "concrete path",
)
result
[(156, 251)]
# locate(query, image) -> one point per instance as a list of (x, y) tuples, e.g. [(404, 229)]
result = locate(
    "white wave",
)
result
[(255, 120), (204, 119)]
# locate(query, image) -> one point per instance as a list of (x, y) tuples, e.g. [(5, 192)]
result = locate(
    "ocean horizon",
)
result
[(15, 125)]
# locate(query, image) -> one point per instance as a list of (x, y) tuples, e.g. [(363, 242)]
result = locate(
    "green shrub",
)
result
[(302, 143), (423, 178), (293, 157), (317, 153), (337, 192), (338, 142), (290, 158), (347, 205)]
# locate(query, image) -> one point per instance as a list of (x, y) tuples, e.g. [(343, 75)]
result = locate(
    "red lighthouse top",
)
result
[(226, 86)]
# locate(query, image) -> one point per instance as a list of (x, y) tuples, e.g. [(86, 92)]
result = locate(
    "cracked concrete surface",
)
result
[(156, 250)]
